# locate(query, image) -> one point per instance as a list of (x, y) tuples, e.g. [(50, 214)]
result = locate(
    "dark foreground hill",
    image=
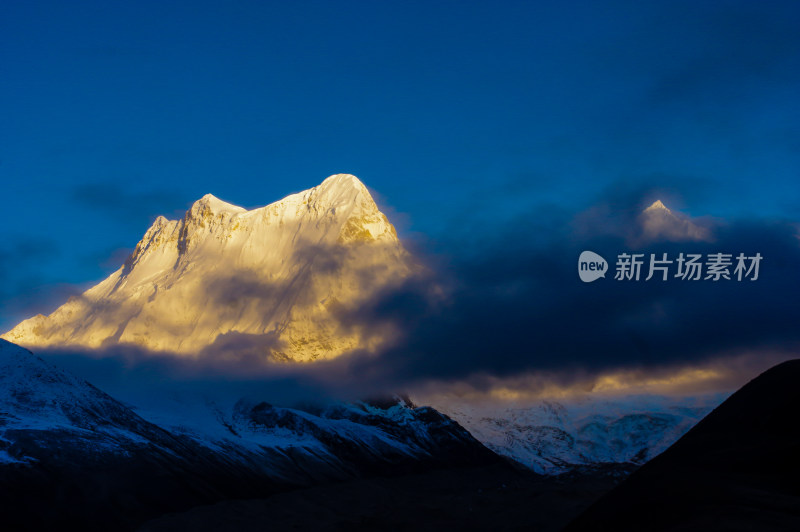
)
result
[(485, 498), (737, 470)]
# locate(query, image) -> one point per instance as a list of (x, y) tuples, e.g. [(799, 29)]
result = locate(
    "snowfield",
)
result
[(554, 437)]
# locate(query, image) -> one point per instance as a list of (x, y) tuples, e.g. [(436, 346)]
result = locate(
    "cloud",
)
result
[(245, 350), (25, 289), (516, 305), (660, 223), (131, 373), (725, 52), (631, 211), (506, 310), (722, 374), (124, 206)]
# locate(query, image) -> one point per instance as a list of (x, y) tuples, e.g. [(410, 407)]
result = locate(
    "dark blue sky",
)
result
[(455, 113)]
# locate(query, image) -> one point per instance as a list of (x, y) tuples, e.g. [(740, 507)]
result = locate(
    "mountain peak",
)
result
[(657, 205), (658, 222), (343, 180), (276, 277), (343, 189), (210, 203)]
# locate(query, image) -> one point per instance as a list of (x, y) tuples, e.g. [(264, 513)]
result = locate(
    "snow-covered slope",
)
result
[(555, 437), (379, 434), (269, 281), (68, 447), (42, 405), (36, 396)]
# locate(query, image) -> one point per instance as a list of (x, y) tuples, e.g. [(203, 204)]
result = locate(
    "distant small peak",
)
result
[(657, 205)]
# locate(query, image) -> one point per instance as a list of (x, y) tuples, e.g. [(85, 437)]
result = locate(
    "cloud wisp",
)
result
[(505, 310)]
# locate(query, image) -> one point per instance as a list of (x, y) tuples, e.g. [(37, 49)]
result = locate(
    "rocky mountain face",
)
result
[(272, 281), (71, 455)]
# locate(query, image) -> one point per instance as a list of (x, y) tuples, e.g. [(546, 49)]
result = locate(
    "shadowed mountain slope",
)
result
[(738, 469)]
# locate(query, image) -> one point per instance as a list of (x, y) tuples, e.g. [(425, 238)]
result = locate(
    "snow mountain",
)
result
[(279, 282), (555, 437), (72, 455), (272, 281), (658, 222)]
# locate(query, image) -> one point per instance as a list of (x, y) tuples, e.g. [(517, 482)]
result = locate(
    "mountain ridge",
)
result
[(275, 277), (73, 456)]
